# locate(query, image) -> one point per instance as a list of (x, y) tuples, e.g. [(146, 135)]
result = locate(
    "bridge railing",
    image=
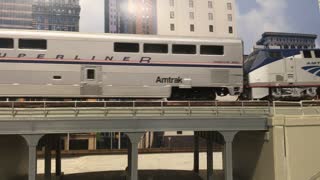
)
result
[(133, 108), (311, 107)]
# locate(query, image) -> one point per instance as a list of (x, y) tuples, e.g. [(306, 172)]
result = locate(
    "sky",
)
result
[(253, 18), (258, 16)]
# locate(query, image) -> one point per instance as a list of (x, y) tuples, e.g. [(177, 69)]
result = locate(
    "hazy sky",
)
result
[(258, 16), (254, 17)]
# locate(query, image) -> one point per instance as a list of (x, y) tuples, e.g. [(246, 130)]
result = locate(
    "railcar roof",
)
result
[(108, 36)]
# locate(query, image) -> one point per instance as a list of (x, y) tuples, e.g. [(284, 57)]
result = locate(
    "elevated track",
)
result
[(140, 116)]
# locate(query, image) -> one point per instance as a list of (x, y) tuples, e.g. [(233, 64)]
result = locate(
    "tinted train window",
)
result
[(317, 53), (91, 75), (126, 47), (211, 50), (32, 44), (307, 54), (155, 48), (6, 43), (275, 54), (183, 49), (57, 77)]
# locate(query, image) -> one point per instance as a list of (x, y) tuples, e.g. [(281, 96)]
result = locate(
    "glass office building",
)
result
[(58, 15), (16, 14)]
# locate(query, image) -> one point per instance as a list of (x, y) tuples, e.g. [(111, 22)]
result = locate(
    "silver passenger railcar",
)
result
[(77, 65)]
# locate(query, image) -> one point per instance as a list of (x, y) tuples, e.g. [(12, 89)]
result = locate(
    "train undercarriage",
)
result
[(281, 93)]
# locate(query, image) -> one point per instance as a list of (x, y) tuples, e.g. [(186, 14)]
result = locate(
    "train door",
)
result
[(91, 81), (290, 69)]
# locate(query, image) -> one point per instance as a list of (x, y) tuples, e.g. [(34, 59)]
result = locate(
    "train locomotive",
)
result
[(47, 64), (282, 74)]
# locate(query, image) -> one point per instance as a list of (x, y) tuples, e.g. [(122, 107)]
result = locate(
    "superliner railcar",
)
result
[(77, 65)]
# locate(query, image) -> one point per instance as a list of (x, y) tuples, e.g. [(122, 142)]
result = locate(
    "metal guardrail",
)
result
[(47, 109), (132, 109), (311, 107)]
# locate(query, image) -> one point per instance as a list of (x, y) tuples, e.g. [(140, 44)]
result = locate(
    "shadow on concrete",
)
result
[(143, 175)]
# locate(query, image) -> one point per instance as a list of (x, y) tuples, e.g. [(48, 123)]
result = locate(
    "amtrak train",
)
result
[(64, 65), (41, 64), (282, 74)]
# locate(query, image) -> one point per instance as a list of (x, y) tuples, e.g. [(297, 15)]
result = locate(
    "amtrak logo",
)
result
[(312, 69)]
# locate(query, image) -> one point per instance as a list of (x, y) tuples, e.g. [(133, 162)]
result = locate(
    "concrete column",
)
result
[(196, 153), (47, 157), (32, 141), (209, 157), (134, 138), (228, 138), (129, 158), (58, 156)]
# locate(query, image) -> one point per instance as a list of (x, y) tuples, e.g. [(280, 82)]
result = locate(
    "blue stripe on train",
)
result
[(122, 64)]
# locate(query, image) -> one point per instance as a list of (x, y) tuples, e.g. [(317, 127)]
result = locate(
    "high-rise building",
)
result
[(319, 4), (212, 18), (145, 16), (16, 14), (59, 15), (130, 16)]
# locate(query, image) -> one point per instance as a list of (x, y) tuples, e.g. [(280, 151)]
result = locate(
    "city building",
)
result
[(16, 14), (130, 16), (319, 4), (212, 18), (287, 40), (58, 15), (146, 17)]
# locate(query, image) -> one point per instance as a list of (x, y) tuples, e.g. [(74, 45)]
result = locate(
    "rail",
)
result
[(311, 107), (47, 109)]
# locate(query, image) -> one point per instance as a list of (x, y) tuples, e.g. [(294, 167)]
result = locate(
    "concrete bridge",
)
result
[(210, 120)]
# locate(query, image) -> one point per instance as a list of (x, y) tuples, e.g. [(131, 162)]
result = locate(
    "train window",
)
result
[(211, 50), (91, 74), (307, 54), (6, 43), (183, 49), (126, 47), (317, 53), (57, 77), (274, 54), (155, 48), (32, 44)]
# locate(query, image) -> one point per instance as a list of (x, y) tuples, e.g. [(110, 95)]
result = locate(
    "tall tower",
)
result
[(16, 14), (56, 15), (209, 18), (130, 16)]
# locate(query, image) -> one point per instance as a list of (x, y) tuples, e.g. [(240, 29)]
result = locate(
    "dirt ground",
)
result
[(151, 167)]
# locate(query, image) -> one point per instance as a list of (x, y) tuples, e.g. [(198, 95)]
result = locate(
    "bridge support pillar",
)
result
[(209, 157), (196, 153), (134, 138), (32, 141), (227, 155), (58, 156), (47, 157)]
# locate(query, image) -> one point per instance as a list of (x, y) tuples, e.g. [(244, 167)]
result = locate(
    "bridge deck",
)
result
[(73, 117)]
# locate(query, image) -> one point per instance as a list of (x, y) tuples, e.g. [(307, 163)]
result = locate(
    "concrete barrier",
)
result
[(290, 150), (13, 157)]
